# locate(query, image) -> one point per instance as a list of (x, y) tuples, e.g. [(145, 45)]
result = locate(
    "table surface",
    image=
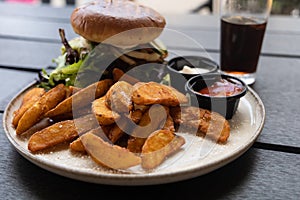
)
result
[(29, 41)]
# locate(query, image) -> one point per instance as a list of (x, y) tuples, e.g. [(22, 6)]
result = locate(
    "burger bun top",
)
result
[(121, 23)]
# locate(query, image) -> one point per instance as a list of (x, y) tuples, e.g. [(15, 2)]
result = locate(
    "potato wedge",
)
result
[(118, 74), (85, 123), (135, 144), (109, 155), (70, 115), (135, 116), (158, 146), (57, 133), (32, 93), (44, 123), (61, 132), (72, 90), (81, 98), (124, 125), (153, 119), (117, 130), (77, 145), (118, 97), (202, 122), (62, 117), (219, 128), (30, 98), (38, 110), (169, 124), (155, 93), (104, 115), (142, 108), (106, 129)]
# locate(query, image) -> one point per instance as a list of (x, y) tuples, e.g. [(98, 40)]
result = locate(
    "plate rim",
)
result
[(133, 178)]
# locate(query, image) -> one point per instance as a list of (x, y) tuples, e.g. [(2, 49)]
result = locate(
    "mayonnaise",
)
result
[(190, 70)]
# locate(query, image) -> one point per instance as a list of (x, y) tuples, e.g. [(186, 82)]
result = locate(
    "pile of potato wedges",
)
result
[(119, 123)]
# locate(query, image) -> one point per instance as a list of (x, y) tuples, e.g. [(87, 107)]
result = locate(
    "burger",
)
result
[(111, 34)]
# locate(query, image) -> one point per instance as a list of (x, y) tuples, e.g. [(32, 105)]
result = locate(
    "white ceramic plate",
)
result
[(197, 157)]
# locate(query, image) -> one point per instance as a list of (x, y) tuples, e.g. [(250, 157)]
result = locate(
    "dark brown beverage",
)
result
[(241, 41)]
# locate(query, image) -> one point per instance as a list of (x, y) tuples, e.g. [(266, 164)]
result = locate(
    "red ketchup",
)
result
[(222, 88)]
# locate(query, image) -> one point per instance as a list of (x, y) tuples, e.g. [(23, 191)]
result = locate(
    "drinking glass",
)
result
[(243, 25)]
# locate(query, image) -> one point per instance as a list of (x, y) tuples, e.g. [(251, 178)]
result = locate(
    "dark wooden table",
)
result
[(270, 169)]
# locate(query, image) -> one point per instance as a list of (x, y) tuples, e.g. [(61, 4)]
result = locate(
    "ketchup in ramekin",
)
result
[(216, 92), (222, 88)]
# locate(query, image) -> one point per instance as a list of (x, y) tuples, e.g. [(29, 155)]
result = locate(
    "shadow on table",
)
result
[(41, 184)]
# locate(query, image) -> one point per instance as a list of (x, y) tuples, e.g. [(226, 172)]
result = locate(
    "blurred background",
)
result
[(205, 7)]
